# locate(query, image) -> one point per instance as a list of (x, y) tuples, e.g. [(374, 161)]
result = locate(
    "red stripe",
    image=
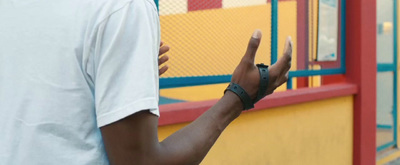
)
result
[(194, 5), (189, 111), (361, 70)]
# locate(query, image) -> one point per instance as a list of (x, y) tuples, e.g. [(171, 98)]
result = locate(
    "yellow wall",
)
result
[(313, 30), (212, 42), (313, 133)]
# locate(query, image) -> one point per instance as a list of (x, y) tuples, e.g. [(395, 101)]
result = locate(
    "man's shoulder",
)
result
[(111, 4), (87, 14), (101, 9)]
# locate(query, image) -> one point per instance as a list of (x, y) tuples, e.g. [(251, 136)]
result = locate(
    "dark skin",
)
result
[(163, 58), (134, 139)]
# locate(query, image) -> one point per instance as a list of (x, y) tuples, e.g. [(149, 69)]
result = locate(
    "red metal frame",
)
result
[(361, 70), (333, 79), (302, 40), (194, 5), (302, 49)]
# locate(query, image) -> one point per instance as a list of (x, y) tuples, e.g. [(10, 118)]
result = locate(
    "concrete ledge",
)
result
[(189, 111)]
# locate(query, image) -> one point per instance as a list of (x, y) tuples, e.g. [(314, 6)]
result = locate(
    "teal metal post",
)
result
[(395, 71), (274, 31)]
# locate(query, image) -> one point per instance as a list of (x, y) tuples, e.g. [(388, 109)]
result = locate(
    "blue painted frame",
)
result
[(172, 82), (191, 81), (274, 31), (385, 146), (382, 126), (387, 67), (395, 70)]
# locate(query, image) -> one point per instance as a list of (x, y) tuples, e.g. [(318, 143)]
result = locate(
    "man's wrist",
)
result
[(233, 100)]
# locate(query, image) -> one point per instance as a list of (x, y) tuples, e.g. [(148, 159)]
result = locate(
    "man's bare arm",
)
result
[(134, 140)]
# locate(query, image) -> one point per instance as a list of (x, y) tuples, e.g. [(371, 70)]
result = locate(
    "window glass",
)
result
[(384, 108), (385, 31)]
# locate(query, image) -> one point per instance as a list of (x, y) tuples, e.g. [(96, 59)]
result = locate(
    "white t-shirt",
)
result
[(69, 67)]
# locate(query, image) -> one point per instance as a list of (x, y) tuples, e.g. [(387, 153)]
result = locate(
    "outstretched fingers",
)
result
[(283, 79), (252, 47), (279, 72), (285, 62), (288, 52)]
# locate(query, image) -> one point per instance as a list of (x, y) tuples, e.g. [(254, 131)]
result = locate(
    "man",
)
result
[(79, 85)]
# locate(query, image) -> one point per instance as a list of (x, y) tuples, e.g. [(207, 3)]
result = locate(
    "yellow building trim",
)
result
[(200, 93), (195, 93), (313, 133)]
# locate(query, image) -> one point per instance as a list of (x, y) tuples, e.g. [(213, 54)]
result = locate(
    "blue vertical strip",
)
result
[(274, 31), (343, 36), (156, 1), (289, 83), (395, 70)]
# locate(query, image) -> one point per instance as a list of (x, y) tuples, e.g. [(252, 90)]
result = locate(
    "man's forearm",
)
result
[(191, 144), (134, 139)]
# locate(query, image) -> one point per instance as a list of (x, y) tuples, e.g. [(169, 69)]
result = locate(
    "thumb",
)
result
[(253, 45)]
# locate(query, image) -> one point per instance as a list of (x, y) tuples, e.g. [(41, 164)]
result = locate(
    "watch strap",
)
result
[(244, 97), (264, 79)]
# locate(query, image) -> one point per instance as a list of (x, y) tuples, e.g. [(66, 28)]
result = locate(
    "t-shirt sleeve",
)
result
[(125, 58)]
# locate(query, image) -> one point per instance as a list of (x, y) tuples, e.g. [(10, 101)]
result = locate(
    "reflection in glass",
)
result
[(384, 108), (385, 31), (328, 30)]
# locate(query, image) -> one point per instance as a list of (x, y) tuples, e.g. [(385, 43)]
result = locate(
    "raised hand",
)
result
[(247, 74), (162, 59)]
